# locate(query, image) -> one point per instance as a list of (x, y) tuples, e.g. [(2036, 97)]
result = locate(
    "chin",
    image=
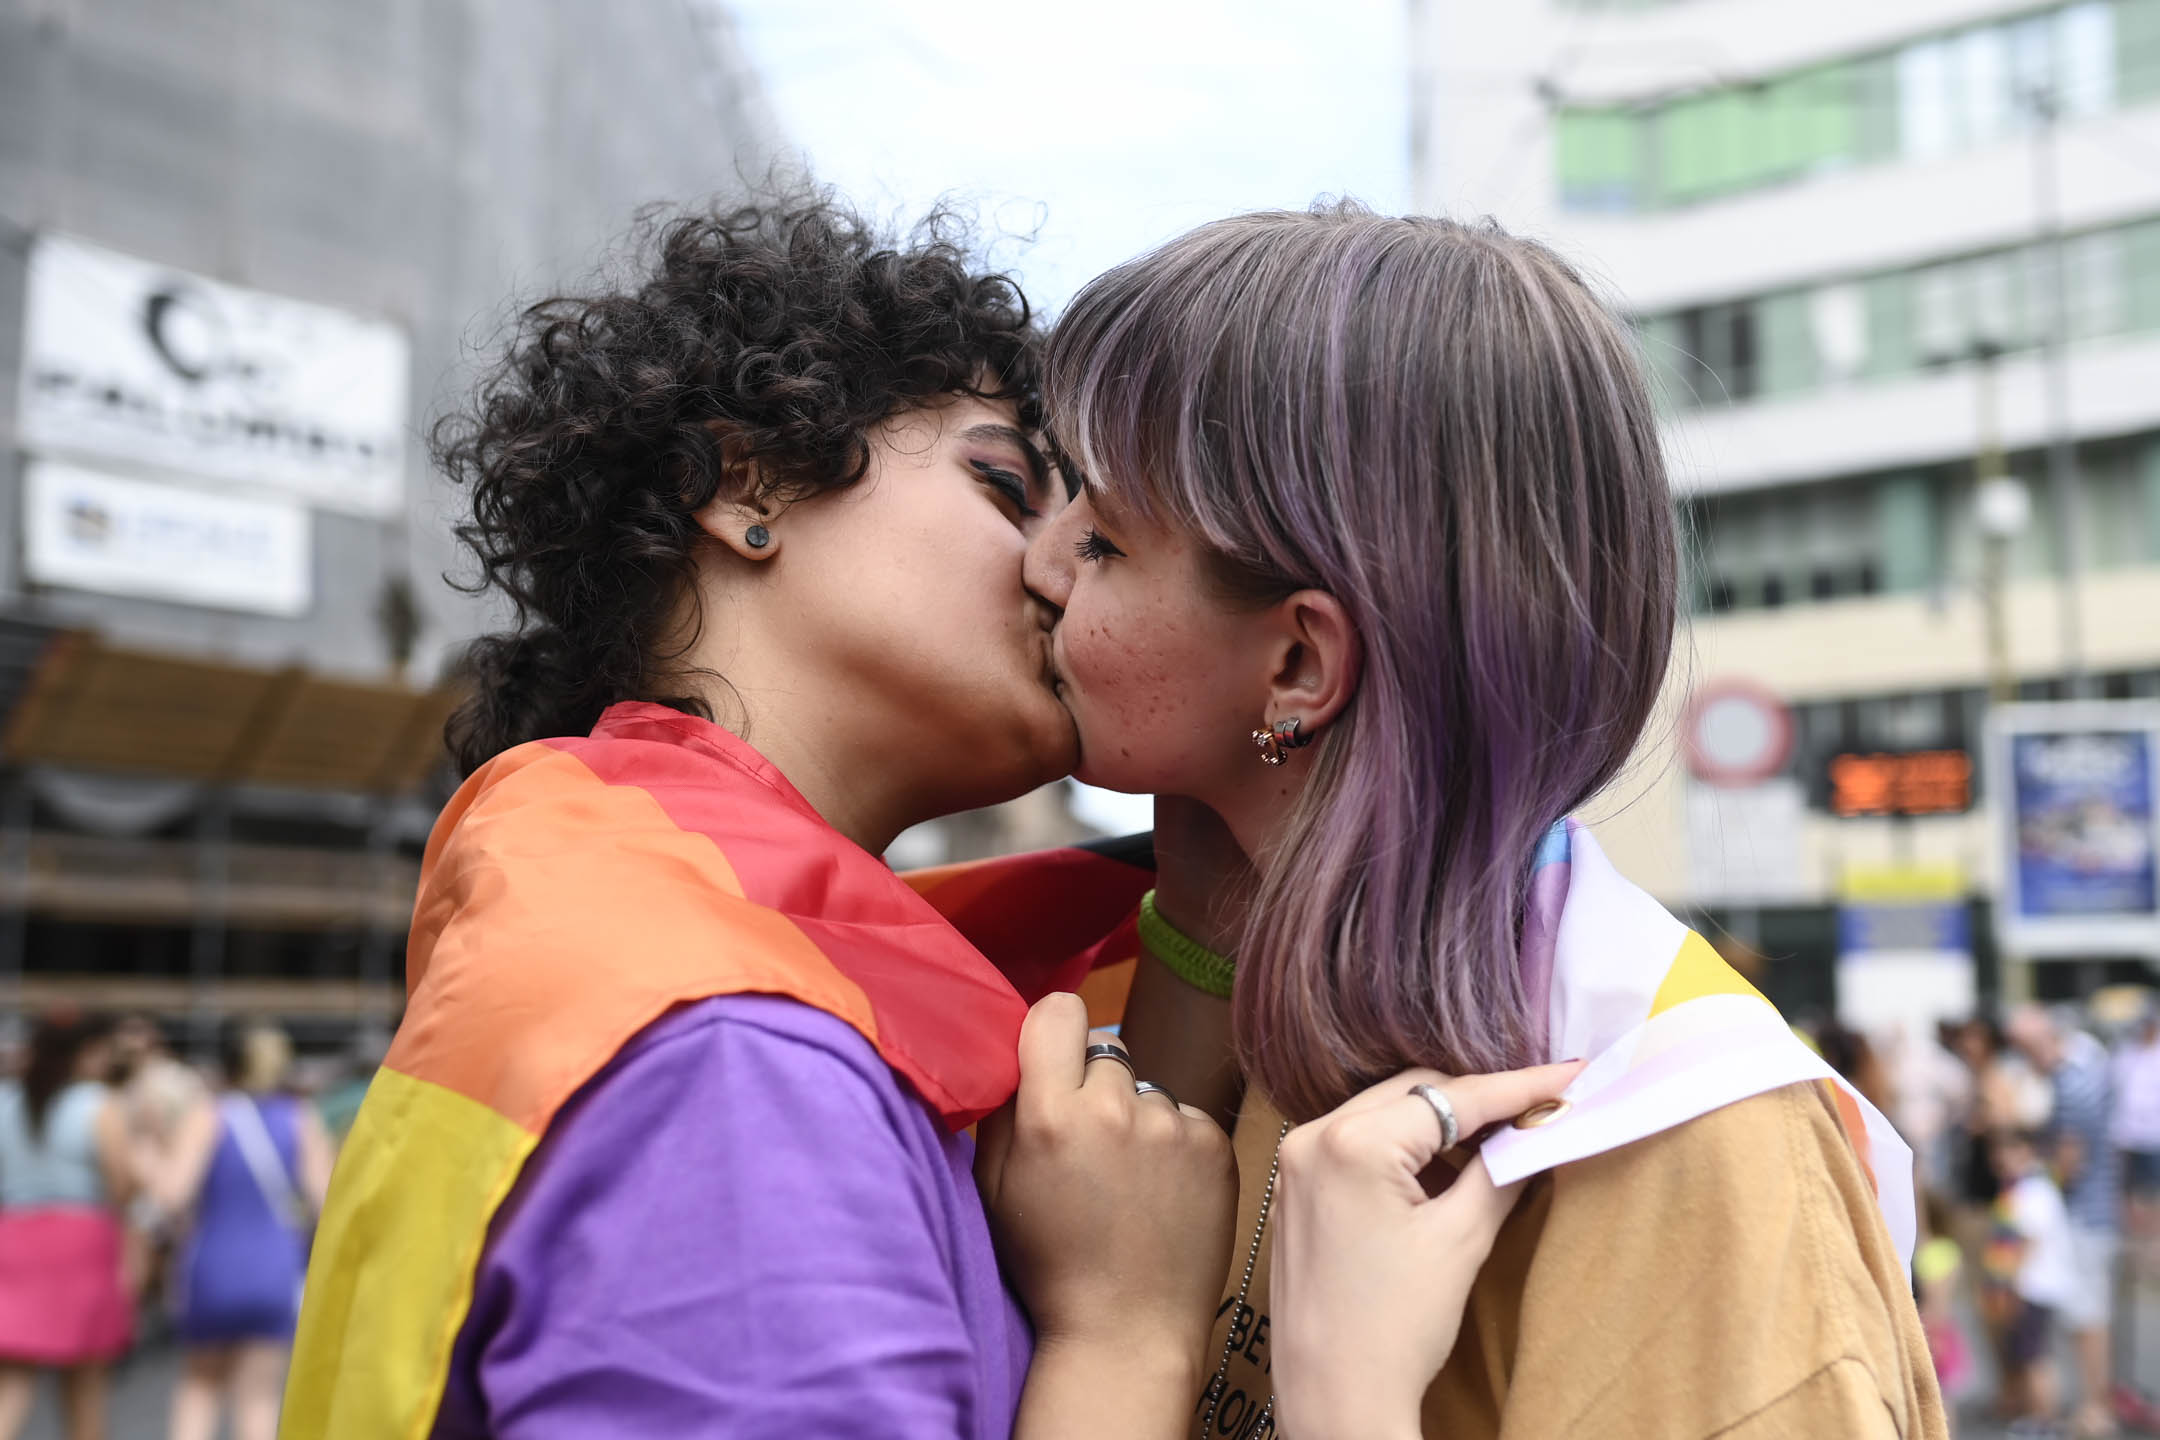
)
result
[(1118, 774), (1030, 756)]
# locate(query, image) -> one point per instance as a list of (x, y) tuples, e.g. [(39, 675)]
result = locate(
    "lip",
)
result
[(1051, 674)]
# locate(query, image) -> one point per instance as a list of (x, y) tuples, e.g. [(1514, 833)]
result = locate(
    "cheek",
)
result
[(1144, 686)]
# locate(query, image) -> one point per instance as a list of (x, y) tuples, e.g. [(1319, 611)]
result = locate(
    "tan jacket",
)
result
[(1730, 1277)]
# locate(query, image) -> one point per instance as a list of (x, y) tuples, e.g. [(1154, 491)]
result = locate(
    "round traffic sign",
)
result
[(1736, 733)]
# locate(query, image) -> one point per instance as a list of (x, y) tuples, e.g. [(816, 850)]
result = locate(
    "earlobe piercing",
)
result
[(1279, 739), (757, 537)]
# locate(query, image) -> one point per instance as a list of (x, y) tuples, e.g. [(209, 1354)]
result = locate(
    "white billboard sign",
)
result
[(1744, 843), (2077, 786), (162, 541), (150, 369)]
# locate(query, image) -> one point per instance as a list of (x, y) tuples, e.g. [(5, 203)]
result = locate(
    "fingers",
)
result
[(1053, 1039), (1480, 1100), (1392, 1128), (1480, 1104), (1104, 1073)]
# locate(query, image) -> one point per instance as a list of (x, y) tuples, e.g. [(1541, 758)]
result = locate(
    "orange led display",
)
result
[(1922, 782)]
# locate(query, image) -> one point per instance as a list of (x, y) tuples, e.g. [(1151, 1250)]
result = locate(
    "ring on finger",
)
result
[(1149, 1087), (1450, 1127), (1106, 1051)]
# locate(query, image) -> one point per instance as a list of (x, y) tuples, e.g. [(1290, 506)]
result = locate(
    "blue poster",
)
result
[(2084, 824)]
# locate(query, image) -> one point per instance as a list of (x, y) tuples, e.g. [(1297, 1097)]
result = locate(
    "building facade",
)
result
[(1876, 254), (376, 178)]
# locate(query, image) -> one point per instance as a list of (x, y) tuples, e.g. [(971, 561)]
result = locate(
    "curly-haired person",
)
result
[(670, 1142)]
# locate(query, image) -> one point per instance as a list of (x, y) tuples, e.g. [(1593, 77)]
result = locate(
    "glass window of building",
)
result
[(1895, 322), (2137, 50), (1930, 98), (2085, 70)]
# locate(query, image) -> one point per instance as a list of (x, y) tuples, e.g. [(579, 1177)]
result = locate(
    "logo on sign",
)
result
[(190, 334), (136, 363)]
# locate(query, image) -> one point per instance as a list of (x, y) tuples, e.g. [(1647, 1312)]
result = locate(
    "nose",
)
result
[(1052, 556)]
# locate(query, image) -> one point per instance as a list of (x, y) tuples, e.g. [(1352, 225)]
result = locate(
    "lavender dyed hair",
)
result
[(1440, 425)]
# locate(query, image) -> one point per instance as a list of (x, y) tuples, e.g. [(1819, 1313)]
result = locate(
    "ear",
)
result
[(736, 522), (740, 525), (1319, 659)]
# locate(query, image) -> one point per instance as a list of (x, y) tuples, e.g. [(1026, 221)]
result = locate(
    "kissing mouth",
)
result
[(1051, 675)]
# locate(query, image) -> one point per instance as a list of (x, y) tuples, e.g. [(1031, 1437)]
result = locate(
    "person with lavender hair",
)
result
[(1371, 580)]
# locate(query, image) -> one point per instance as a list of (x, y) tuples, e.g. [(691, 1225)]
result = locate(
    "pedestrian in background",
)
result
[(1930, 1090), (2136, 1134), (64, 1178), (2005, 1095), (155, 1090), (2032, 1278), (251, 1165), (2080, 1150)]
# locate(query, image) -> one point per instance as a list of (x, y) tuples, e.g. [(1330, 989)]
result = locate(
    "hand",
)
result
[(1369, 1277), (1112, 1210), (1202, 877)]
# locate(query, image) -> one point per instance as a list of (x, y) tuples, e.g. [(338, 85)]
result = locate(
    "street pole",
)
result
[(1990, 476), (2001, 509), (2064, 488)]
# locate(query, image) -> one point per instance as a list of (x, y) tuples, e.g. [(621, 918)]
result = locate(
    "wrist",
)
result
[(1104, 1387), (1357, 1418), (1149, 1370)]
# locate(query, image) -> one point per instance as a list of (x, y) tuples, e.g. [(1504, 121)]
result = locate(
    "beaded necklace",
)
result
[(1221, 1382)]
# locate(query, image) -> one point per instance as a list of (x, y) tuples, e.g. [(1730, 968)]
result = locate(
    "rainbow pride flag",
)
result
[(572, 893)]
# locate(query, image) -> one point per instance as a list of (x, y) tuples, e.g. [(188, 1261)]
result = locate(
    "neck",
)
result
[(1260, 808), (809, 733)]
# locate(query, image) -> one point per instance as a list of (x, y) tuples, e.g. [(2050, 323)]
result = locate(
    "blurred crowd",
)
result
[(147, 1200), (2036, 1137)]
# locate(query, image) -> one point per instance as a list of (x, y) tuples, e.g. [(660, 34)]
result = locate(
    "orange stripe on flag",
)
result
[(1849, 1116), (559, 875)]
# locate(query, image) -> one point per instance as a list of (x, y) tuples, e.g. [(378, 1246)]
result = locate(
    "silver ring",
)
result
[(1149, 1087), (1450, 1128), (1110, 1052)]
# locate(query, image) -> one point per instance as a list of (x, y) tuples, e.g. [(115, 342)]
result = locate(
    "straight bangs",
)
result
[(1134, 372), (1442, 427)]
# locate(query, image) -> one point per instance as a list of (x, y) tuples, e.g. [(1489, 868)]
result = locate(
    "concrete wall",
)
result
[(420, 161)]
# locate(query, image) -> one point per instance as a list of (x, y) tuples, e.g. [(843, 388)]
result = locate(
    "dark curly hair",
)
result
[(766, 339)]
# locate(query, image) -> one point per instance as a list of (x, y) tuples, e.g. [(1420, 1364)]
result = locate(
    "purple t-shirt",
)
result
[(745, 1226)]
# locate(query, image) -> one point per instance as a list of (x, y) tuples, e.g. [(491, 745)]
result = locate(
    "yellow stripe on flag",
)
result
[(1697, 971), (391, 1275)]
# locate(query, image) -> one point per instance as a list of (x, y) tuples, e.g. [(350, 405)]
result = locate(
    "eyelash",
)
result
[(1093, 547), (1009, 485)]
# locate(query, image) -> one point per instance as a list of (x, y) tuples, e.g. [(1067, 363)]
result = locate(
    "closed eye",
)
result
[(1008, 485), (1095, 546)]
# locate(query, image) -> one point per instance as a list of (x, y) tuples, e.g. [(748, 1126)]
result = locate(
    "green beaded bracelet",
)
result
[(1182, 955)]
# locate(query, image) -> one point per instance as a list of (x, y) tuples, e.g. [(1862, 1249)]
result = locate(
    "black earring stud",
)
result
[(757, 537)]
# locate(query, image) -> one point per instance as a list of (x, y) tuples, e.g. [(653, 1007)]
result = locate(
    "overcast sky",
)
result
[(1098, 129), (1103, 128)]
